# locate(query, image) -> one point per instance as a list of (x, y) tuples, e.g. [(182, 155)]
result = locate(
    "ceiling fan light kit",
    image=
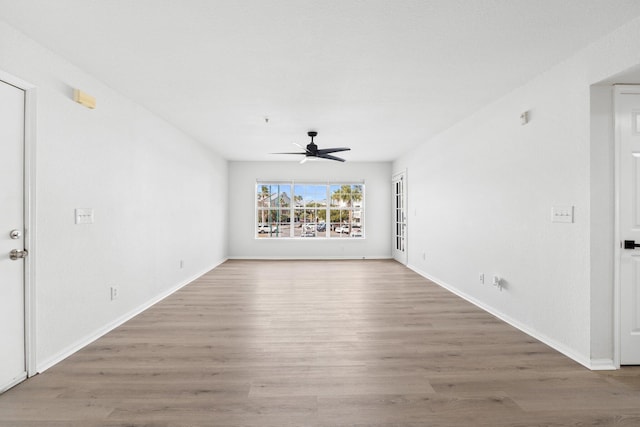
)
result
[(312, 150)]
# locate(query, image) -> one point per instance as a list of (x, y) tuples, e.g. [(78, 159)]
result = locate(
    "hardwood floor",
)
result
[(320, 343)]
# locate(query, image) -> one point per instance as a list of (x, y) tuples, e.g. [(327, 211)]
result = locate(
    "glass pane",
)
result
[(321, 228), (310, 195), (263, 196), (343, 196), (284, 200), (273, 223), (279, 196), (266, 226), (339, 223), (284, 216), (308, 230), (284, 226), (357, 230), (321, 214), (262, 223), (356, 218), (273, 195), (336, 196), (298, 195), (357, 192)]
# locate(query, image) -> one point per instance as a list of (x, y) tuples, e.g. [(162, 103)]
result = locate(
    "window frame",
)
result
[(297, 204)]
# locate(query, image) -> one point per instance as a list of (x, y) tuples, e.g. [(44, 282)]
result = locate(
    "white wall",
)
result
[(480, 197), (242, 182), (158, 197)]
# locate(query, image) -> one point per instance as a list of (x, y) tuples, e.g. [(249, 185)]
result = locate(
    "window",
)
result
[(309, 210)]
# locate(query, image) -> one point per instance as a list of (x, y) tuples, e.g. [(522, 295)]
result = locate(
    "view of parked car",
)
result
[(266, 228), (342, 229), (308, 230)]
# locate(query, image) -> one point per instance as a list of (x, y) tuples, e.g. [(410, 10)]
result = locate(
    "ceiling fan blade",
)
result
[(301, 147), (309, 158), (333, 150), (304, 154), (330, 157)]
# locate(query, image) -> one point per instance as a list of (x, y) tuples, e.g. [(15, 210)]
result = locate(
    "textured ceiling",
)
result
[(379, 76)]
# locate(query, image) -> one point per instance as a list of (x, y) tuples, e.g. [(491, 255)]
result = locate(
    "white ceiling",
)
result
[(379, 76)]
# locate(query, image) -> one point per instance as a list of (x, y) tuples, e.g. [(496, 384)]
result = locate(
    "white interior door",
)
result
[(12, 271), (628, 158), (398, 191)]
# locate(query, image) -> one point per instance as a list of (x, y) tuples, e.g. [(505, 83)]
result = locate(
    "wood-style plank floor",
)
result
[(319, 343)]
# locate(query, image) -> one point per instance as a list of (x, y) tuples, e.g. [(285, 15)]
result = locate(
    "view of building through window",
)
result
[(306, 210)]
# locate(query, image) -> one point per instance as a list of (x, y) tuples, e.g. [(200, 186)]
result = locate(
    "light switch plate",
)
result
[(84, 216), (562, 214)]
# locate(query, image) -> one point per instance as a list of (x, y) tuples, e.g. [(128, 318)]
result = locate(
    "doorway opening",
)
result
[(627, 229), (399, 193)]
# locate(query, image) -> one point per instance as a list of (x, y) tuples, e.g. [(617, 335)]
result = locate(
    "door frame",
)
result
[(618, 89), (29, 217), (405, 207), (616, 232)]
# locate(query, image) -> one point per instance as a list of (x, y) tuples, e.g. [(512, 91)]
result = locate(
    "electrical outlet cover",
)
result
[(84, 216), (562, 214)]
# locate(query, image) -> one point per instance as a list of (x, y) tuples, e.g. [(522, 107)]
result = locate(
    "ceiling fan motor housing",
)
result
[(312, 148)]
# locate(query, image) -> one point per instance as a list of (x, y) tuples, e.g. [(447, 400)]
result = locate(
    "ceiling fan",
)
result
[(312, 150)]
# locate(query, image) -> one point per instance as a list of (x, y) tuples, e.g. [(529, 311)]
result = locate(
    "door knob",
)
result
[(630, 244), (16, 254)]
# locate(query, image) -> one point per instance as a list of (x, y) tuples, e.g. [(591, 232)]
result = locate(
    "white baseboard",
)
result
[(13, 382), (570, 353), (88, 339), (603, 365), (297, 257)]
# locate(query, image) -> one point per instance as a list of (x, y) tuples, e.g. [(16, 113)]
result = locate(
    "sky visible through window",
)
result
[(311, 193)]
